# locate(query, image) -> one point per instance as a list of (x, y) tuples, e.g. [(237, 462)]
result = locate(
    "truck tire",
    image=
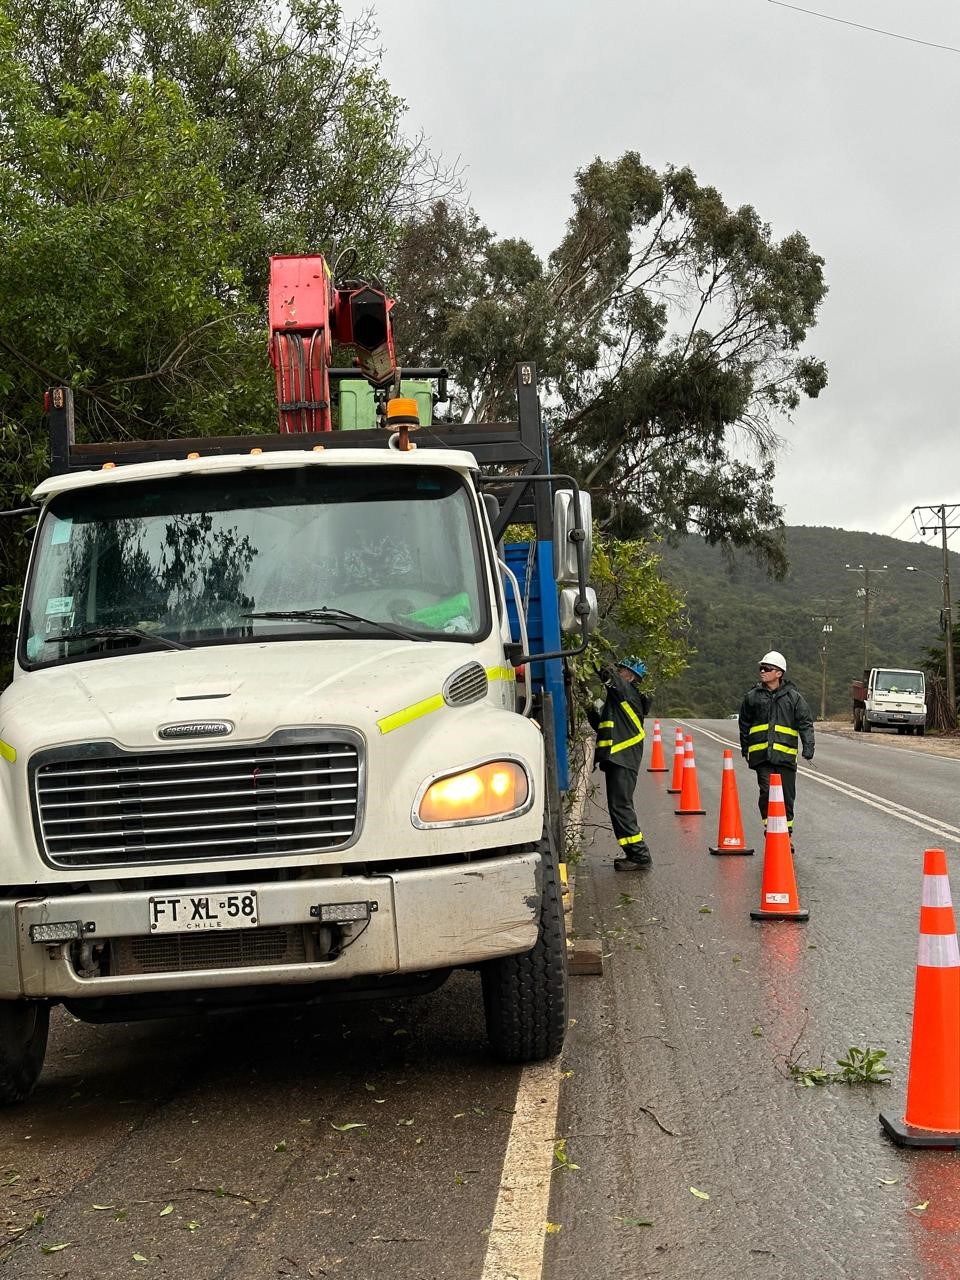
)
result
[(866, 724), (23, 1044), (858, 719), (920, 729), (525, 996)]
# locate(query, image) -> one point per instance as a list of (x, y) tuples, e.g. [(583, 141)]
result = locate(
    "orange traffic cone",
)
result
[(778, 895), (689, 791), (932, 1117), (657, 763), (676, 782), (730, 833)]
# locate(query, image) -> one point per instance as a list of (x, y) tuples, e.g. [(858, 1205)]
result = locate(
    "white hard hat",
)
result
[(774, 659)]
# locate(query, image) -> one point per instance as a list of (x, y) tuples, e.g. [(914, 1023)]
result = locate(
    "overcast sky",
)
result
[(843, 134)]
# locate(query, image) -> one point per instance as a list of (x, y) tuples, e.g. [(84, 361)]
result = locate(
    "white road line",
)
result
[(935, 826), (515, 1247)]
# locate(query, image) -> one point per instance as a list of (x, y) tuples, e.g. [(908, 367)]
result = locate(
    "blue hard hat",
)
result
[(636, 665)]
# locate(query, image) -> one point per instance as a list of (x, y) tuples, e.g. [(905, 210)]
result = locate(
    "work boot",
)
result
[(639, 857)]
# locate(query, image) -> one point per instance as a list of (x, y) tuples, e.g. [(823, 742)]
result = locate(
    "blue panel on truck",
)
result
[(543, 632)]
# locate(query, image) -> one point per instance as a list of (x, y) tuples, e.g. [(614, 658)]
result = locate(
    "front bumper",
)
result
[(900, 718), (428, 918)]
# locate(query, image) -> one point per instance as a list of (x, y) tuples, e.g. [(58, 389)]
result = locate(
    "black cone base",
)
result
[(729, 852), (779, 915), (683, 813), (663, 770), (906, 1135)]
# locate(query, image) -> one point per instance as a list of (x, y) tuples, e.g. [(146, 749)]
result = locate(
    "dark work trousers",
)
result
[(621, 784), (789, 779)]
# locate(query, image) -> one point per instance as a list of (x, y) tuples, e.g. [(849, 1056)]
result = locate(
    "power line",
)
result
[(844, 22)]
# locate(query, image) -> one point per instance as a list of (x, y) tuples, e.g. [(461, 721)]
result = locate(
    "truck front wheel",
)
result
[(525, 996), (23, 1044)]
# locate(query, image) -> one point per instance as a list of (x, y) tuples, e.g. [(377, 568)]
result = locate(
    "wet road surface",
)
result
[(223, 1148), (698, 1017)]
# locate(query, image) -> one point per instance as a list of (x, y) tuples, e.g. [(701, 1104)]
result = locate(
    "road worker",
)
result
[(618, 724), (775, 726)]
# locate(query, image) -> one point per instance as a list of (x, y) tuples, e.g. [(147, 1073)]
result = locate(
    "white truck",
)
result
[(264, 739), (890, 698)]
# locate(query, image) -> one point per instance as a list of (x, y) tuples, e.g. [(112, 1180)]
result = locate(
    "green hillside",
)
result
[(736, 613)]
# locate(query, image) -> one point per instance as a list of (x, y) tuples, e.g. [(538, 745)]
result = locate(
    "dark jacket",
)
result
[(619, 726), (775, 725)]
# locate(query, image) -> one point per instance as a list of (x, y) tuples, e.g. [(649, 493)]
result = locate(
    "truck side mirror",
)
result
[(573, 608), (566, 535)]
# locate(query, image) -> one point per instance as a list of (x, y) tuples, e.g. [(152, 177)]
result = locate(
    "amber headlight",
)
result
[(489, 790)]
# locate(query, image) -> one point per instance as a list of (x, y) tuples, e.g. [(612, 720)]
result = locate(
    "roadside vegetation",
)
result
[(154, 156)]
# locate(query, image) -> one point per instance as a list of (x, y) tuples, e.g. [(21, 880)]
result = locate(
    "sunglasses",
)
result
[(763, 667)]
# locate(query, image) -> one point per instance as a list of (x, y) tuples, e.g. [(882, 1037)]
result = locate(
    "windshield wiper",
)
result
[(115, 633), (335, 618)]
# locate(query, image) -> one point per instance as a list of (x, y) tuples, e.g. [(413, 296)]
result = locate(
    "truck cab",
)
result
[(890, 698), (264, 739)]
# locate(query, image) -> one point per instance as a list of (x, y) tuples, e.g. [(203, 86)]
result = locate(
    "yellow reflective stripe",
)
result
[(604, 742), (788, 751), (8, 752), (760, 728), (757, 746), (501, 673), (399, 718), (605, 724), (638, 737), (631, 839), (782, 728)]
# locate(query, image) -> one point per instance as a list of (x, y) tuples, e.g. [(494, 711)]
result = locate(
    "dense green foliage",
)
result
[(664, 325), (736, 613), (152, 156)]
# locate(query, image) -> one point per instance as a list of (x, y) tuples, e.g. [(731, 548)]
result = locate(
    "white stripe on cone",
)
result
[(939, 951), (936, 891), (777, 823)]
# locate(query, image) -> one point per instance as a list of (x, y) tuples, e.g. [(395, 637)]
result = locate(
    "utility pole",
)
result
[(860, 568), (942, 515), (826, 620)]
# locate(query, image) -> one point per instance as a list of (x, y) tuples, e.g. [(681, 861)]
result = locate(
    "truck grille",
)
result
[(232, 949), (126, 809)]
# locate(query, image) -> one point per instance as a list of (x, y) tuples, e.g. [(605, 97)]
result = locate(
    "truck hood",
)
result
[(256, 688)]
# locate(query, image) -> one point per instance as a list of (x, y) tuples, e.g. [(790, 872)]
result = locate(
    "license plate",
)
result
[(897, 715), (195, 912)]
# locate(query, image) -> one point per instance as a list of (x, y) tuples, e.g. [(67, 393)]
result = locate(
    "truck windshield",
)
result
[(899, 682), (135, 565)]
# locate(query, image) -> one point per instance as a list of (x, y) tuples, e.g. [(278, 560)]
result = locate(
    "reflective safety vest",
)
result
[(619, 725), (775, 741), (775, 726)]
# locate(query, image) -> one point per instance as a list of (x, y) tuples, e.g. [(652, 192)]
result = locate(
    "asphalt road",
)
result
[(223, 1148), (701, 1011)]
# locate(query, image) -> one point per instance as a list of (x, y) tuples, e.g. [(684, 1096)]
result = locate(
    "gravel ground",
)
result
[(933, 744)]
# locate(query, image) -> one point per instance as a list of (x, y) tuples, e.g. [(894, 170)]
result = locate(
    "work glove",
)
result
[(808, 755), (606, 673)]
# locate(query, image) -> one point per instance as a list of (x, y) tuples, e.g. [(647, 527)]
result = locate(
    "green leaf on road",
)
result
[(352, 1124), (193, 1225), (636, 1222), (139, 1257), (701, 1195), (280, 1146), (54, 1248), (706, 911)]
